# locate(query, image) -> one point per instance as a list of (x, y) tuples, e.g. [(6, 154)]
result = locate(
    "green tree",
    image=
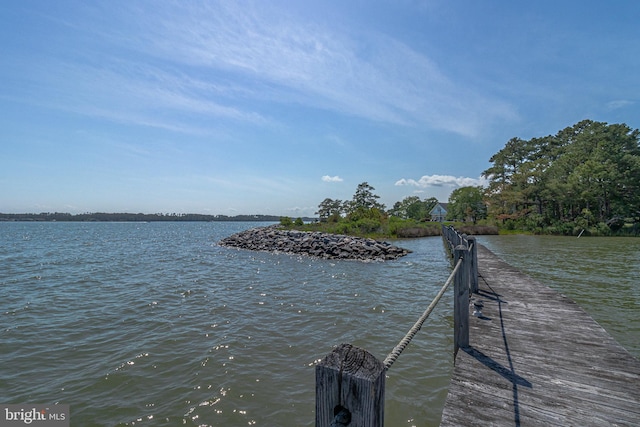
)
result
[(594, 170), (401, 209), (286, 221), (590, 165), (509, 178), (467, 203), (330, 210), (411, 207), (429, 204), (364, 199)]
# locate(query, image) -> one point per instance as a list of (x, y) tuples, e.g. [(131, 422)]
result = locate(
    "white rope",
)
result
[(404, 342)]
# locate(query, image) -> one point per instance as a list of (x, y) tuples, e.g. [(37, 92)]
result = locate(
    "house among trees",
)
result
[(439, 212)]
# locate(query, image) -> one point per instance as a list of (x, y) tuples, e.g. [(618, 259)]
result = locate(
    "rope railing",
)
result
[(404, 342), (350, 380)]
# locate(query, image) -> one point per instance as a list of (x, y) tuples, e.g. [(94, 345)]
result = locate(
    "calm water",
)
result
[(601, 274), (155, 325)]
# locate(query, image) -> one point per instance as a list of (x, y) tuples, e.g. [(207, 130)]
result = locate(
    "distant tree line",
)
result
[(365, 204), (365, 215), (410, 217), (132, 217), (584, 178)]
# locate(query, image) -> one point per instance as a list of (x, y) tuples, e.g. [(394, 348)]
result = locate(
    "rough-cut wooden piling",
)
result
[(350, 389), (461, 300), (473, 266)]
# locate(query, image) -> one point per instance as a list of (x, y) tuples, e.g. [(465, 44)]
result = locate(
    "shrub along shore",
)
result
[(391, 228)]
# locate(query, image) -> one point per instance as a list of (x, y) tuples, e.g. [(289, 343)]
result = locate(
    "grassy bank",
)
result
[(388, 228)]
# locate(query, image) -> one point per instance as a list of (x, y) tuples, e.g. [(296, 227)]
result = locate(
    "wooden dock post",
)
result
[(350, 389), (473, 268), (461, 300)]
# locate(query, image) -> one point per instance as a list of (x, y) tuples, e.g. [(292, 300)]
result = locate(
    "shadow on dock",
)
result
[(536, 358), (507, 373)]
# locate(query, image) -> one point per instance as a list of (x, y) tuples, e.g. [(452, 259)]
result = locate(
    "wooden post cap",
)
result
[(353, 361), (350, 388)]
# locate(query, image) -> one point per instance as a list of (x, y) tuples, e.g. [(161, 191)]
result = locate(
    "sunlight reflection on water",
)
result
[(154, 324)]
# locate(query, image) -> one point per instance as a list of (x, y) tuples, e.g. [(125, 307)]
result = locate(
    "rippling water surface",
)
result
[(155, 325), (601, 274)]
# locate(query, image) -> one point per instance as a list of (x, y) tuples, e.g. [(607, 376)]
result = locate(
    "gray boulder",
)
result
[(313, 243)]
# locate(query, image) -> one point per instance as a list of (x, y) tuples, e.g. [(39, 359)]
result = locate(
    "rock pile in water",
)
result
[(313, 243)]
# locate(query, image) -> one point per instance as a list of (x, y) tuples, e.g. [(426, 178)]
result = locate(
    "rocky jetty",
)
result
[(313, 243)]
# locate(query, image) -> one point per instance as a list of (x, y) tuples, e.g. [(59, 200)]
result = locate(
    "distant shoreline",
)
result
[(133, 217)]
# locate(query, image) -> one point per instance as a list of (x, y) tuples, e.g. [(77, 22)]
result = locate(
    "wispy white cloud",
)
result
[(428, 181), (230, 61), (620, 103), (142, 95), (300, 61), (328, 178)]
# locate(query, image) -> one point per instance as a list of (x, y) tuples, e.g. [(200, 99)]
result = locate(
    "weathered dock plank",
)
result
[(537, 359)]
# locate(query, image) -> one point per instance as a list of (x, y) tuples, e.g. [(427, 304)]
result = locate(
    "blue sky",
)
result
[(272, 106)]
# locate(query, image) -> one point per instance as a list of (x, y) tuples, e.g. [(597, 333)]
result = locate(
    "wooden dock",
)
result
[(535, 358)]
